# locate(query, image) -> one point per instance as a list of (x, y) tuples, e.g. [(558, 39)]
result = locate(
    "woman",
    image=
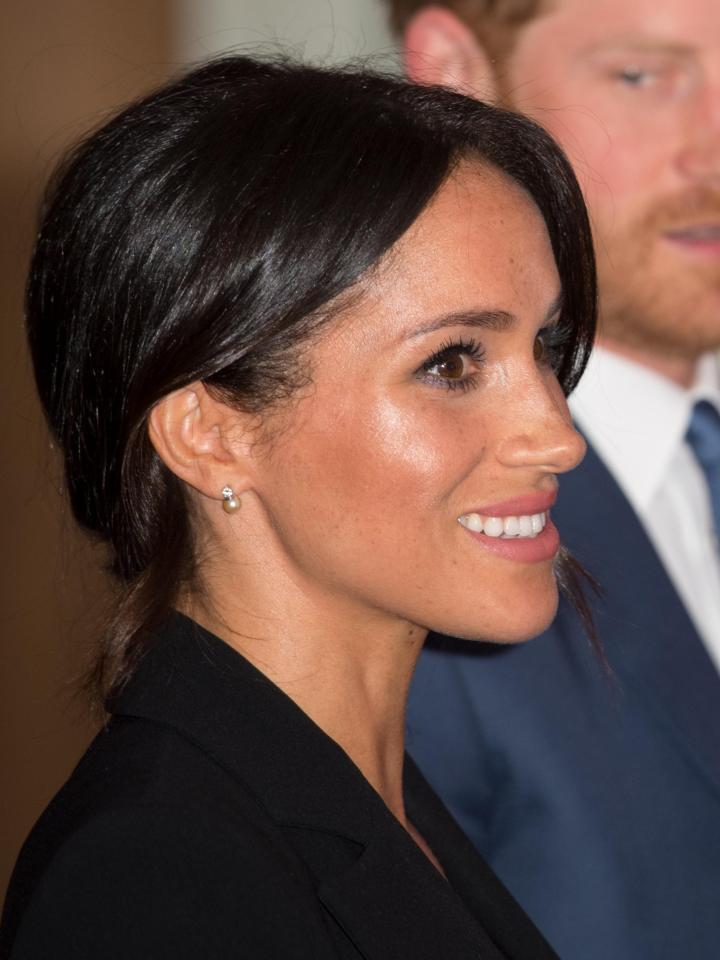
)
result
[(302, 337)]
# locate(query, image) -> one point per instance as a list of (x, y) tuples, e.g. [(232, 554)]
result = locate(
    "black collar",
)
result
[(391, 902)]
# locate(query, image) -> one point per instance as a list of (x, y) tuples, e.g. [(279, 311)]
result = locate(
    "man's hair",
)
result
[(496, 22)]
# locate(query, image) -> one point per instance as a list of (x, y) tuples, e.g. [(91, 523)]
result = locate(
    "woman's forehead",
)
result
[(479, 224), (481, 245)]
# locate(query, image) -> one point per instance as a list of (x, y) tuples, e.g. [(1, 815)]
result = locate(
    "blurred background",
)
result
[(64, 66)]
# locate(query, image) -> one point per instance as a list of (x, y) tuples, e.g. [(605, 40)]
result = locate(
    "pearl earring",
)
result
[(231, 504)]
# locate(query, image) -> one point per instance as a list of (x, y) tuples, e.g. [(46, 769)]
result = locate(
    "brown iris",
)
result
[(452, 367)]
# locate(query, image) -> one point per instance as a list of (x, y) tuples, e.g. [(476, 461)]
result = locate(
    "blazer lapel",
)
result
[(385, 895), (505, 922), (391, 905), (650, 640)]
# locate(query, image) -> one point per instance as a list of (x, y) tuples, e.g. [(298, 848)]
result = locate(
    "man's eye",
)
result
[(635, 77)]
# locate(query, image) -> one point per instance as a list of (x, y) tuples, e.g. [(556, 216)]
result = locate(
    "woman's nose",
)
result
[(542, 434)]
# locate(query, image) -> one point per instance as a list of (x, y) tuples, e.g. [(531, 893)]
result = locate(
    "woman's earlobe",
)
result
[(440, 49)]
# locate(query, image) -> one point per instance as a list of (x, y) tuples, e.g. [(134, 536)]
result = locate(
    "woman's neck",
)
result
[(350, 674)]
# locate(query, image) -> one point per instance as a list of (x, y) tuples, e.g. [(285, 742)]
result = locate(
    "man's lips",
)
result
[(696, 235)]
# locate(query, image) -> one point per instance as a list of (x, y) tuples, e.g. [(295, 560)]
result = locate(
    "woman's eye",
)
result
[(454, 365), (551, 346), (541, 352)]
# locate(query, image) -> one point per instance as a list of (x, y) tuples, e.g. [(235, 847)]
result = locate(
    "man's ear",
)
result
[(203, 441), (440, 49)]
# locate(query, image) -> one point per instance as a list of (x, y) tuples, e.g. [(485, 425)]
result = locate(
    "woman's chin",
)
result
[(517, 623)]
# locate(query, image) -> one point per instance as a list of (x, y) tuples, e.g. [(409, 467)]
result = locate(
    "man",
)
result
[(596, 800)]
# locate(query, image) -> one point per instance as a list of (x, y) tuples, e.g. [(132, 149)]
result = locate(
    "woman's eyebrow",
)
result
[(489, 319), (498, 320)]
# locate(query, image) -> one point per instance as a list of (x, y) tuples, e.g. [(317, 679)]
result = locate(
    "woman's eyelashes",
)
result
[(550, 346), (455, 366)]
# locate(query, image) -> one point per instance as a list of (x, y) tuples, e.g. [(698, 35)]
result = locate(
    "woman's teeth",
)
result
[(506, 527)]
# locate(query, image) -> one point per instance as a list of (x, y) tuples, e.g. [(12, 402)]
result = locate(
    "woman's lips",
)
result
[(532, 549), (525, 505), (519, 529)]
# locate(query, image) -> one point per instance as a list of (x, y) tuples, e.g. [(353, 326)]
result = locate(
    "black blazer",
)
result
[(212, 818)]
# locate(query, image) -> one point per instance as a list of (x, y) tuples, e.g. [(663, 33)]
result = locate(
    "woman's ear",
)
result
[(202, 440), (440, 49)]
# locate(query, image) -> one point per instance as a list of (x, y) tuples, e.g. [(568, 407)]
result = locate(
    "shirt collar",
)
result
[(635, 417)]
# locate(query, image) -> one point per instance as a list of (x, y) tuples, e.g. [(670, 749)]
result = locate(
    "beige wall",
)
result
[(63, 63), (318, 30)]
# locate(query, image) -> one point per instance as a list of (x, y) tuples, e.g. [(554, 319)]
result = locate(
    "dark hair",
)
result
[(197, 236)]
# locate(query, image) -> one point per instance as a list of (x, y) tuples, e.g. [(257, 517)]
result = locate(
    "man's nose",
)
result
[(542, 435), (699, 156)]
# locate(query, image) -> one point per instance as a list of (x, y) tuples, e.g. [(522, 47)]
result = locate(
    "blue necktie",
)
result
[(703, 435)]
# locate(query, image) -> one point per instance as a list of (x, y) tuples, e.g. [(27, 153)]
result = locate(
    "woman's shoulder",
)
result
[(149, 850), (143, 766)]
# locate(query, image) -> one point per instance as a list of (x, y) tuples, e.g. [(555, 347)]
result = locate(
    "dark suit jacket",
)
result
[(213, 818), (598, 804)]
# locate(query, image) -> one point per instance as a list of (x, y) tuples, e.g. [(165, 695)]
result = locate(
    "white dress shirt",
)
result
[(636, 420)]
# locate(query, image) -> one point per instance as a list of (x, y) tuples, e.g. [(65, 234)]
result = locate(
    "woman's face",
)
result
[(434, 423)]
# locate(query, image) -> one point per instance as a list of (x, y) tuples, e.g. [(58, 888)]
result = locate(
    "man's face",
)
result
[(631, 89)]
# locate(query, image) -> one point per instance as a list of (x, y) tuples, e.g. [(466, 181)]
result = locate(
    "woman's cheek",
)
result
[(424, 451)]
